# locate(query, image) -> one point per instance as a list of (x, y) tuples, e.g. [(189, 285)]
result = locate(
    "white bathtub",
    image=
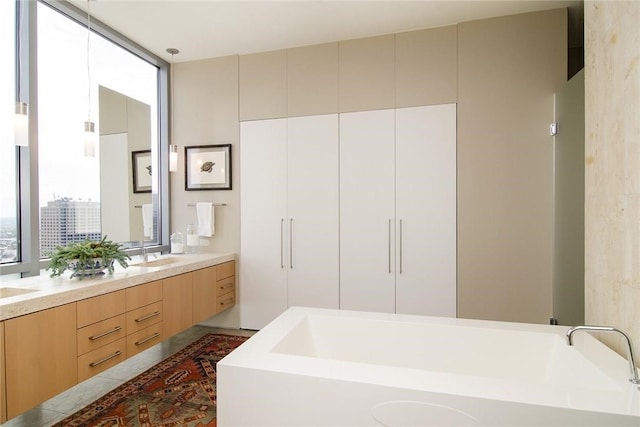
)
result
[(329, 367)]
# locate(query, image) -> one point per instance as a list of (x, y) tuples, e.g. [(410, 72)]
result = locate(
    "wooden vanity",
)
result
[(44, 351)]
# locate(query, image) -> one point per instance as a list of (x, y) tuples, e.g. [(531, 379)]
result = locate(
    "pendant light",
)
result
[(173, 148), (21, 119), (89, 126), (21, 124), (173, 158)]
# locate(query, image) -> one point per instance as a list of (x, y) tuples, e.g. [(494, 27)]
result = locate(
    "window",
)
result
[(70, 182), (104, 78), (8, 199)]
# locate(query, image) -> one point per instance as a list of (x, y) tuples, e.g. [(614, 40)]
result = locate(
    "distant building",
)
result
[(65, 221)]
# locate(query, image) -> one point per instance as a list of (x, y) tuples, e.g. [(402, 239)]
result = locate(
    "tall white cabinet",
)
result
[(353, 211), (398, 210), (367, 211), (289, 216), (426, 210)]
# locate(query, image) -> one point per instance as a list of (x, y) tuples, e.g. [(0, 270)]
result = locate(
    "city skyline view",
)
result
[(62, 221)]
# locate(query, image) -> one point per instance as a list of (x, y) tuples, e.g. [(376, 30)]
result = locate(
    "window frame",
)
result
[(28, 215)]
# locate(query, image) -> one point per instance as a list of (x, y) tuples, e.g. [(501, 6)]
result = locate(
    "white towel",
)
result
[(206, 219), (147, 220)]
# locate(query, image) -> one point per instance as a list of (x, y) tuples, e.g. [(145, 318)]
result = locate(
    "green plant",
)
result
[(80, 257)]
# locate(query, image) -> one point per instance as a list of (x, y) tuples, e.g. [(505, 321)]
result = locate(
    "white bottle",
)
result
[(177, 243)]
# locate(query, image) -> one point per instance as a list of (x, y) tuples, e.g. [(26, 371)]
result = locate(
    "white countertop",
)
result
[(51, 292)]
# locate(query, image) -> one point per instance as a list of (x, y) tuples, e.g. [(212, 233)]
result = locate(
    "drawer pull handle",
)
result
[(226, 301), (104, 334), (101, 361), (156, 335), (147, 317)]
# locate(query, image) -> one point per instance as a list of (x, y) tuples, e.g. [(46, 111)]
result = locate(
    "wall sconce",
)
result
[(173, 158), (21, 125)]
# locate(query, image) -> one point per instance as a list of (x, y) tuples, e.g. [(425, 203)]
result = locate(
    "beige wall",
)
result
[(503, 72), (313, 80), (508, 71), (206, 113), (263, 85), (612, 173)]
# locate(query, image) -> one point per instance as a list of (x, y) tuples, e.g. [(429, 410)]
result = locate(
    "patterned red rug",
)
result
[(180, 390)]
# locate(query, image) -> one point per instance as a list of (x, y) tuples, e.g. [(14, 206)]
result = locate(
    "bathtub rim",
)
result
[(257, 353)]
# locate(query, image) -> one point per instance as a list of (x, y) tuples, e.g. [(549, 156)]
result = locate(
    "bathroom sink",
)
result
[(12, 292), (156, 262)]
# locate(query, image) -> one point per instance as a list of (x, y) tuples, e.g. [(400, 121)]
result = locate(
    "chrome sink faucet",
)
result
[(145, 252), (632, 363)]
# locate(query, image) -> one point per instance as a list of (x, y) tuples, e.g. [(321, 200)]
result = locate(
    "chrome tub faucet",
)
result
[(632, 363)]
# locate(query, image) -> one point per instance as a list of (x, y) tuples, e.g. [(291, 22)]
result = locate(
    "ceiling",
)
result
[(212, 28)]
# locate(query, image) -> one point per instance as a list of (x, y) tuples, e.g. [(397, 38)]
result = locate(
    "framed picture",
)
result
[(207, 167), (142, 173)]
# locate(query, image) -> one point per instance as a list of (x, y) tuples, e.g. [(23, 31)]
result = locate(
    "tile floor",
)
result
[(68, 402)]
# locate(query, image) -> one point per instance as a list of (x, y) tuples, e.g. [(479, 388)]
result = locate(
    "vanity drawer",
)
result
[(144, 339), (141, 295), (225, 286), (98, 360), (144, 317), (226, 269), (225, 301), (98, 334), (99, 308)]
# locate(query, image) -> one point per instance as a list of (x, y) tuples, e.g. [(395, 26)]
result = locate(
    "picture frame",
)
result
[(207, 167), (142, 171)]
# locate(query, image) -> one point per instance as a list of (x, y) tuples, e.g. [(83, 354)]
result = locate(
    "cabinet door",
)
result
[(96, 309), (367, 263), (141, 295), (41, 357), (177, 303), (144, 317), (225, 286), (426, 210), (144, 339), (263, 288), (101, 359), (226, 291), (204, 294), (312, 208)]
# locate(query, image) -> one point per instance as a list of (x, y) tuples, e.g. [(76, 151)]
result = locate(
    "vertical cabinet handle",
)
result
[(291, 243), (400, 246), (389, 246), (281, 242)]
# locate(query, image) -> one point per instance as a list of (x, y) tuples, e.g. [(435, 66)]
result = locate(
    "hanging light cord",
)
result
[(172, 51), (19, 48), (88, 61), (173, 131)]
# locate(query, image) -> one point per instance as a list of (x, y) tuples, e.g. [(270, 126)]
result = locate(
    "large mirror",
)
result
[(128, 161)]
